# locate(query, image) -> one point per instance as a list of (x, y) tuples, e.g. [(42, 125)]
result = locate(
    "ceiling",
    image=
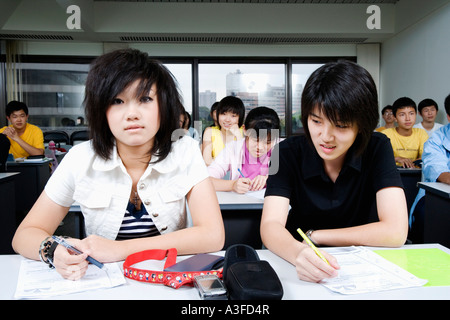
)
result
[(270, 22)]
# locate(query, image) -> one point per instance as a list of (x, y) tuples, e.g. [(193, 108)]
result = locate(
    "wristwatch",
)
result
[(47, 250), (309, 233)]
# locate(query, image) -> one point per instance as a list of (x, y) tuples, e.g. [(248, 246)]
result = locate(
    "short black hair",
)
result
[(113, 72), (403, 102), (388, 107), (261, 121), (447, 104), (426, 103), (345, 93), (231, 104), (14, 105)]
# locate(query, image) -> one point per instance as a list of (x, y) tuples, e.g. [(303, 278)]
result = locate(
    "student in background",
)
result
[(185, 123), (428, 110), (131, 180), (213, 113), (230, 117), (388, 117), (248, 159), (436, 168), (407, 141), (338, 181), (26, 139)]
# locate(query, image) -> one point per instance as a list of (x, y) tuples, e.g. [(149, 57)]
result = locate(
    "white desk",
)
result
[(236, 201), (294, 289)]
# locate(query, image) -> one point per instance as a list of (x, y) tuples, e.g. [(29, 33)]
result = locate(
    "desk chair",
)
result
[(56, 136), (79, 136)]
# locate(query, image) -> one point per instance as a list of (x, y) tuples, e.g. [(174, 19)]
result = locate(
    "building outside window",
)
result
[(255, 84)]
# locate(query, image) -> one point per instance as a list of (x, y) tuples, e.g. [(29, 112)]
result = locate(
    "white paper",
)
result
[(257, 194), (37, 280), (364, 271)]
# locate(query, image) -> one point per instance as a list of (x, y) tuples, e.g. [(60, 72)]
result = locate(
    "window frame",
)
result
[(195, 62)]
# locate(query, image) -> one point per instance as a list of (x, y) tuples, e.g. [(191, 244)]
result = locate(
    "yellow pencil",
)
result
[(309, 242)]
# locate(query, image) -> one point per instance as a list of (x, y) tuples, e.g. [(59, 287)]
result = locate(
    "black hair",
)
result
[(403, 102), (213, 108), (426, 103), (388, 107), (14, 105), (231, 104), (447, 104), (112, 73), (261, 121), (346, 94)]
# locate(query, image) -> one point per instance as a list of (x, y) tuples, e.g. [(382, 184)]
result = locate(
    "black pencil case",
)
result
[(246, 277)]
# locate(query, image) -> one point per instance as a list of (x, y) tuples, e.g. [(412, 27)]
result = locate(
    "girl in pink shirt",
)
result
[(247, 159)]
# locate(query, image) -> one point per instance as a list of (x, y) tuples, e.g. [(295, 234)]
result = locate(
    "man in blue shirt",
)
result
[(436, 168)]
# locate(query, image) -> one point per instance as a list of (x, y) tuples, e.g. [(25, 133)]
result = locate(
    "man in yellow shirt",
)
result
[(26, 139), (407, 142)]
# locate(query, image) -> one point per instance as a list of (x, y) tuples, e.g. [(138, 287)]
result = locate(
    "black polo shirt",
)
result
[(319, 203)]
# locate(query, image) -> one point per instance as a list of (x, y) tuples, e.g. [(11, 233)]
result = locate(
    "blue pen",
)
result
[(75, 250), (241, 173)]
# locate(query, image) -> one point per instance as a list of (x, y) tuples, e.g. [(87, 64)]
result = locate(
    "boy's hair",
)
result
[(388, 107), (113, 72), (14, 105), (231, 104), (403, 102), (346, 94), (426, 103), (260, 121), (447, 104)]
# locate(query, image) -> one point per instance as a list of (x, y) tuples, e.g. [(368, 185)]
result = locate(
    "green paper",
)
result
[(430, 264)]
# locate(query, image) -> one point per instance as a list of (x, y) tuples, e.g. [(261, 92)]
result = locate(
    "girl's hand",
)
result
[(235, 130), (312, 268), (258, 183), (242, 185), (69, 265), (104, 250)]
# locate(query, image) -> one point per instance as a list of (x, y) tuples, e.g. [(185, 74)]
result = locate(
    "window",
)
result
[(54, 93), (53, 88), (255, 84), (300, 74), (183, 75)]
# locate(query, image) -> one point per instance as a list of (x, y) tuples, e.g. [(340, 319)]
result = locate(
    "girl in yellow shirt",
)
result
[(230, 117)]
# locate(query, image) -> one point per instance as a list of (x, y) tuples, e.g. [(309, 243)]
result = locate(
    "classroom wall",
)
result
[(416, 61)]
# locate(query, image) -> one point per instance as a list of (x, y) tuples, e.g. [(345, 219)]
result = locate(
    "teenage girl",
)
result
[(131, 180)]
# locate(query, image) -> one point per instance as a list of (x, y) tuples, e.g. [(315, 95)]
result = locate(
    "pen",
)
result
[(240, 172), (75, 250), (309, 242)]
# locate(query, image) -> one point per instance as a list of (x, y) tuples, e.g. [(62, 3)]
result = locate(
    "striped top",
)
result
[(136, 224)]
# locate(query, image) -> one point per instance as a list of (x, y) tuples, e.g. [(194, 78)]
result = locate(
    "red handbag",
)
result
[(168, 278)]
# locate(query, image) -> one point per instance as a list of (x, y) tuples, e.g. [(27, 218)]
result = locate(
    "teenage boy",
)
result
[(428, 110), (436, 168), (407, 142), (388, 117), (318, 173), (26, 139)]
